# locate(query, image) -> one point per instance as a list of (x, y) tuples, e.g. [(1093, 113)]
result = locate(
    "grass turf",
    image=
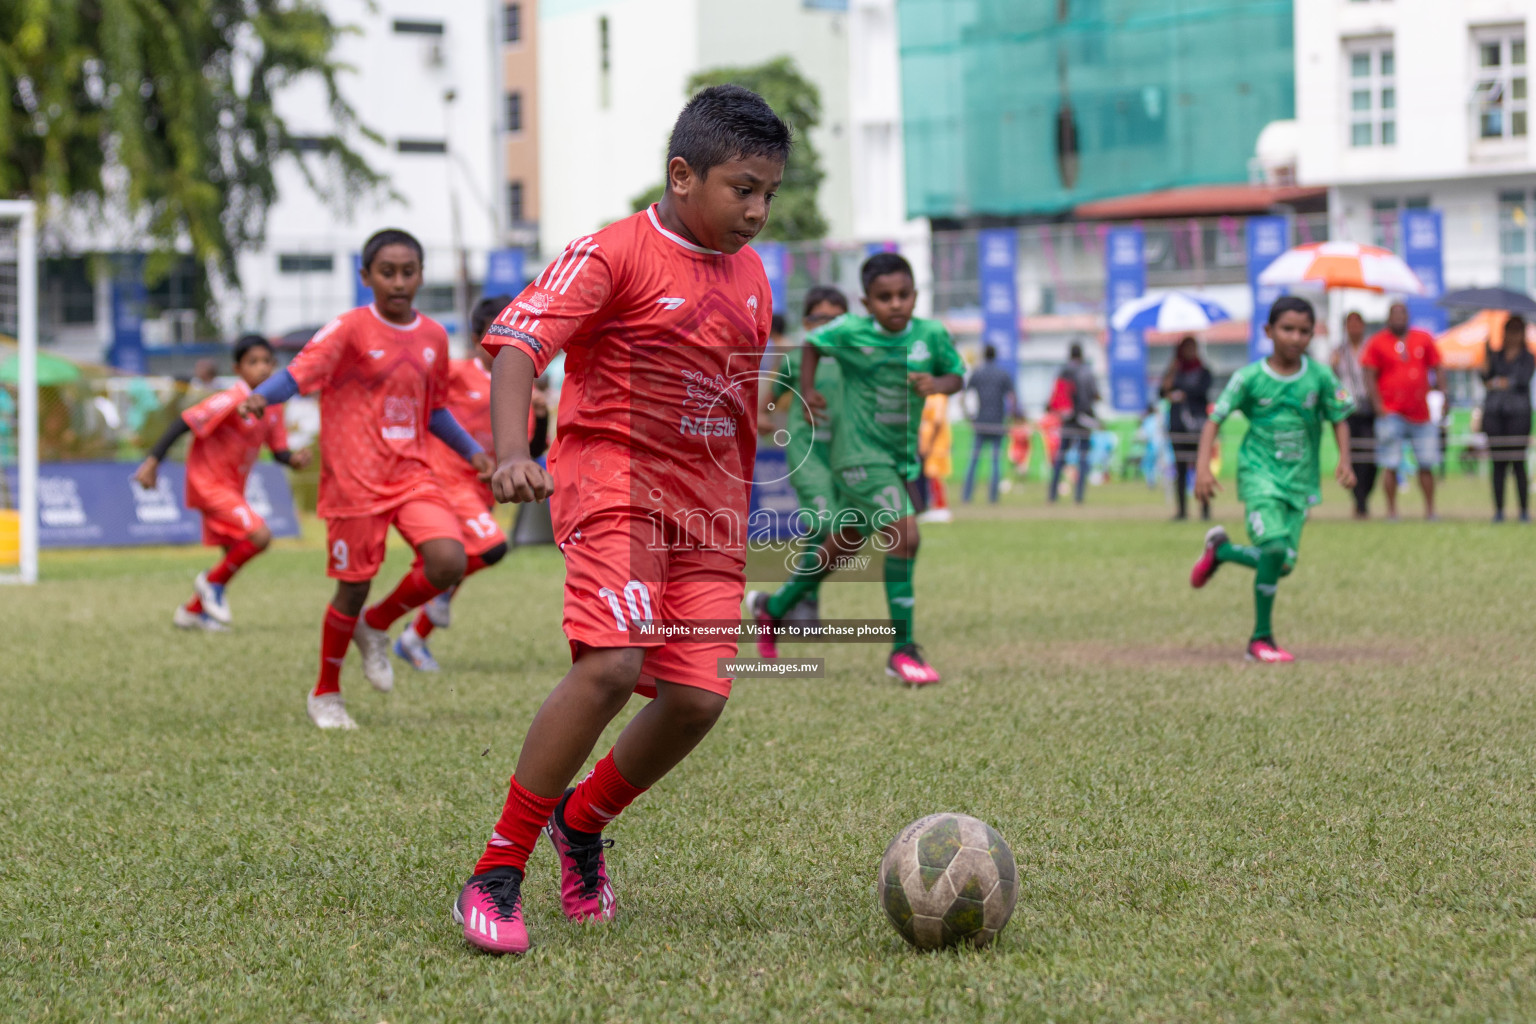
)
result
[(1347, 838)]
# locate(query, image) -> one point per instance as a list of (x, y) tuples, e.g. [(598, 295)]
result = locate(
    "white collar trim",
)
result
[(650, 211), (390, 323), (1285, 380)]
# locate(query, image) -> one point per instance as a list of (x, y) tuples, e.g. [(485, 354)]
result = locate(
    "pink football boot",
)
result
[(1268, 652), (908, 665), (585, 892), (490, 908), (767, 641), (1204, 569)]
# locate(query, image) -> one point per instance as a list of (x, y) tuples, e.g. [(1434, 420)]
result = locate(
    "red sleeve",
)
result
[(277, 429), (313, 367), (205, 417), (557, 305)]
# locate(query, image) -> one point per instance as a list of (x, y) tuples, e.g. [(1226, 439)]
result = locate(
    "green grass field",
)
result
[(1350, 838)]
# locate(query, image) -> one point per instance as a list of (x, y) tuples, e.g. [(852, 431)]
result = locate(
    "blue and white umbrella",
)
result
[(1168, 311)]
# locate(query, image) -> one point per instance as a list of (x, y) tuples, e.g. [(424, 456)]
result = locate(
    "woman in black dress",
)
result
[(1507, 414), (1187, 385)]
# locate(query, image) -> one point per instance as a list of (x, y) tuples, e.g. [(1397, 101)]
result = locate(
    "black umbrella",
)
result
[(1507, 299)]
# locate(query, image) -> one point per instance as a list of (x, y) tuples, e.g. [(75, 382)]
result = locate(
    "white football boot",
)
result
[(329, 711), (374, 646)]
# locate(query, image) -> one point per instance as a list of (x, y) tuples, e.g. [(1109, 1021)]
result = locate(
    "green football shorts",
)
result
[(1271, 519), (871, 497)]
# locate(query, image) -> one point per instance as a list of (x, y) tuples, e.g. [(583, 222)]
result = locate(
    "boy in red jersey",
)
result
[(663, 318), (382, 374), (224, 448), (469, 399)]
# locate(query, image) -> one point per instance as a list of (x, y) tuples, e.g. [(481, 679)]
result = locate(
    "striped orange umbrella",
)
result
[(1463, 347)]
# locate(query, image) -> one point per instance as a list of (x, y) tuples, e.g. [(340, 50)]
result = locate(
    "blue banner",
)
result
[(97, 504), (775, 257), (361, 293), (997, 257), (1268, 237), (1126, 279), (1423, 251), (876, 248), (504, 273), (774, 503), (129, 297)]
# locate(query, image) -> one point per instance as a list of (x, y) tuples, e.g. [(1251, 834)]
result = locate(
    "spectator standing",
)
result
[(996, 404), (1507, 414), (1400, 366), (1187, 386), (1075, 395), (1362, 422), (935, 444)]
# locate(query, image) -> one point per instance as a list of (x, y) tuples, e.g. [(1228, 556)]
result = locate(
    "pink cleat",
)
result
[(767, 640), (908, 665), (490, 908), (1204, 569), (1268, 652), (585, 892)]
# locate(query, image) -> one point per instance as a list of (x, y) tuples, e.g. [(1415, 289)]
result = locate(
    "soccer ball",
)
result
[(947, 879)]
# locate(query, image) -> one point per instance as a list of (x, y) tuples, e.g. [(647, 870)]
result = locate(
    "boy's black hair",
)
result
[(246, 342), (1076, 351), (1291, 304), (824, 293), (882, 263), (390, 236), (776, 326), (989, 352), (485, 313), (725, 123)]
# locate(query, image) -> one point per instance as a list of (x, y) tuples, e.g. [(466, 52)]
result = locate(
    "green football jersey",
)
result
[(1279, 454), (879, 415), (804, 440)]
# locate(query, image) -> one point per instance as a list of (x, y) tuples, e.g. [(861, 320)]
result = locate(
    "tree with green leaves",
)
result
[(163, 111), (796, 217)]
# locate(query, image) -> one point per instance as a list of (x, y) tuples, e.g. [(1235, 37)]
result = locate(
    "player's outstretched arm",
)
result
[(927, 384), (275, 390), (815, 402), (148, 473), (448, 430), (1345, 473), (517, 476), (1206, 484)]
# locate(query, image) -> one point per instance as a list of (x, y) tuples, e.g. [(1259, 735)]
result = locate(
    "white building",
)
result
[(427, 78), (614, 75), (1408, 103)]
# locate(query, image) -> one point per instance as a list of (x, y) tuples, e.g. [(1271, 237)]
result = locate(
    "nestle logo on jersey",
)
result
[(704, 426), (537, 303)]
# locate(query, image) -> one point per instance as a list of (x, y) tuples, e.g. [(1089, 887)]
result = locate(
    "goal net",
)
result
[(18, 392)]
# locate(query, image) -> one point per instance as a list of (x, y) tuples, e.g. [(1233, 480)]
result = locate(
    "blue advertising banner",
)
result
[(1126, 279), (504, 272), (97, 504), (997, 257), (1268, 237), (876, 248), (361, 293), (1423, 251), (129, 297), (771, 515), (775, 257)]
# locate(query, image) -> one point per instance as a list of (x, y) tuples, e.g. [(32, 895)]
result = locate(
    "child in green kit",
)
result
[(1286, 398), (890, 362)]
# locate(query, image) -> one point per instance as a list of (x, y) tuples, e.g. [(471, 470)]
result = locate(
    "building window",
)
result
[(1499, 84), (418, 28), (515, 203), (514, 111), (512, 23), (1372, 88), (1517, 243), (604, 59), (1385, 219), (421, 146), (304, 263)]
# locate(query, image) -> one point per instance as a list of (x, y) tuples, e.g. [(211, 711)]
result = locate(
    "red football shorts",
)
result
[(616, 575), (228, 520), (356, 543), (472, 507)]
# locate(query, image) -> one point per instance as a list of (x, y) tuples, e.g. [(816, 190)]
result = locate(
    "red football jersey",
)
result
[(469, 399), (663, 343), (225, 446), (379, 383)]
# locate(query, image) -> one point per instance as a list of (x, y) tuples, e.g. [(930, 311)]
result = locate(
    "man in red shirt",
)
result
[(224, 448), (1400, 365), (664, 317)]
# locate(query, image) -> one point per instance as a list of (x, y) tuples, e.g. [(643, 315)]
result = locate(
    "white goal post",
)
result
[(18, 315)]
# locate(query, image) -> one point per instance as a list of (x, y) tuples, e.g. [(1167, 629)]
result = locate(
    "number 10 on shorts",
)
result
[(637, 596)]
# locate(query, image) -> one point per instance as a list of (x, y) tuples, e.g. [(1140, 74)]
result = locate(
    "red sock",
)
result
[(195, 606), (236, 556), (522, 818), (423, 625), (599, 797), (335, 635), (936, 488), (412, 591)]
